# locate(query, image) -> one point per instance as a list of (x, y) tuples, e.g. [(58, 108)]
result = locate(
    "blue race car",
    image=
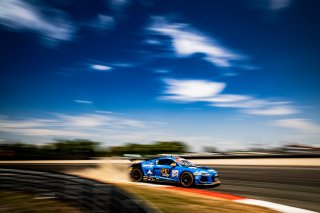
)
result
[(175, 170)]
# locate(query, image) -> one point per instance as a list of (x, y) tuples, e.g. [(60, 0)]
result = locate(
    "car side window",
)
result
[(162, 162), (165, 162)]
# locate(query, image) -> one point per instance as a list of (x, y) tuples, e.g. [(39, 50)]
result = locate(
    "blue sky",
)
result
[(229, 74)]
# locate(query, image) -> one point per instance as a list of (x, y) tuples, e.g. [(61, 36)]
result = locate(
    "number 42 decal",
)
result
[(165, 172)]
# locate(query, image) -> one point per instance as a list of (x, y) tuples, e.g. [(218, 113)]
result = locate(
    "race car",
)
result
[(175, 170)]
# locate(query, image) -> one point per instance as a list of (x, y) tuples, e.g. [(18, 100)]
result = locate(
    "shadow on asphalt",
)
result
[(179, 185)]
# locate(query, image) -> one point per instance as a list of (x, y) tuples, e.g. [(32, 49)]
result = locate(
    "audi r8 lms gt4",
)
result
[(175, 170)]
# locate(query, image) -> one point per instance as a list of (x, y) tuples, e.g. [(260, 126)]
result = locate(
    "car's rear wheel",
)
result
[(136, 175), (186, 179)]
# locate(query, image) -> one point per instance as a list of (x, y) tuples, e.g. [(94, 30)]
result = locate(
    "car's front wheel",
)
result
[(186, 179), (136, 175)]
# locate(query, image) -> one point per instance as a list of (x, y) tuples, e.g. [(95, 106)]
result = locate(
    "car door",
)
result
[(163, 169)]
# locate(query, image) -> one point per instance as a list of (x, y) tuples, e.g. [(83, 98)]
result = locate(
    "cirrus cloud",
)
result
[(82, 101), (94, 126), (19, 15), (301, 125), (190, 90), (187, 41), (177, 90), (100, 67), (273, 110)]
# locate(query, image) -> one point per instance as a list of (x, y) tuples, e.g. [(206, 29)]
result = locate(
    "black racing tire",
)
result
[(136, 175), (186, 179)]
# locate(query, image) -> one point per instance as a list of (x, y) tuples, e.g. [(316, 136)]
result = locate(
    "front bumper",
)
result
[(207, 180), (215, 183)]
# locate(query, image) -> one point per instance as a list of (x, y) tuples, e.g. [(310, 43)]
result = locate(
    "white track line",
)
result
[(262, 203), (149, 184), (274, 206)]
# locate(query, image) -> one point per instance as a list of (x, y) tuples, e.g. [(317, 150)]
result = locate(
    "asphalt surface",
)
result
[(293, 186)]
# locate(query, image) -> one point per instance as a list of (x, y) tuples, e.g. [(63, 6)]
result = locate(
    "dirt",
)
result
[(111, 173)]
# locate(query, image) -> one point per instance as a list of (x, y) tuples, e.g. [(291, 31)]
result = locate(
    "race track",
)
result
[(293, 186)]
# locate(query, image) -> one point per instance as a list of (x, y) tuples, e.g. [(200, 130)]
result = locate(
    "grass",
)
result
[(20, 202), (169, 201)]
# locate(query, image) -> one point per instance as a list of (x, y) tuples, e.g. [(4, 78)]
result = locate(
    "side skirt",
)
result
[(154, 179)]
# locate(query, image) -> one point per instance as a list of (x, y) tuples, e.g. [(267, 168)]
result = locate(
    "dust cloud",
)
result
[(108, 172)]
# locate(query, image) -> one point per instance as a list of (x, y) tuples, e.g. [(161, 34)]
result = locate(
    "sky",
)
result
[(227, 74)]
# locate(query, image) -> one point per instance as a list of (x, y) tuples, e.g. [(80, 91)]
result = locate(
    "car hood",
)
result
[(202, 169)]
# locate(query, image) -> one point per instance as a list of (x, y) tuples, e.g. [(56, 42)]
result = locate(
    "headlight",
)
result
[(196, 173), (205, 174), (201, 173), (130, 168)]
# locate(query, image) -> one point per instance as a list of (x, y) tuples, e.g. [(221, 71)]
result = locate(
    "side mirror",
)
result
[(173, 164)]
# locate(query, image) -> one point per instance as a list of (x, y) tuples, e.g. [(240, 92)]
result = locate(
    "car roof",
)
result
[(165, 157)]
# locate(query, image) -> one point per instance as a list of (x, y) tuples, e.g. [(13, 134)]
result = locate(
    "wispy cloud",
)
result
[(118, 7), (191, 90), (280, 109), (104, 112), (92, 66), (254, 106), (153, 42), (103, 23), (113, 129), (279, 4), (95, 126), (100, 67), (162, 71), (110, 128), (82, 101), (20, 15), (227, 98), (211, 93), (124, 65), (248, 103), (301, 125), (187, 41), (270, 5)]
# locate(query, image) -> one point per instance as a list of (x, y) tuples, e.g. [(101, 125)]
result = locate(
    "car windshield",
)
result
[(184, 162)]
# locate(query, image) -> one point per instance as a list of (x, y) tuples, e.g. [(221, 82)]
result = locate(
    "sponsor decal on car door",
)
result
[(165, 172), (174, 173)]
